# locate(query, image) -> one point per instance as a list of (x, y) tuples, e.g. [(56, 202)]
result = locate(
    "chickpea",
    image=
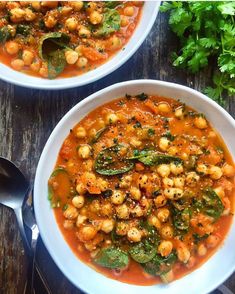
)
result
[(76, 5), (202, 169), (167, 182), (107, 225), (36, 5), (191, 262), (49, 4), (50, 21), (106, 209), (111, 118), (115, 43), (95, 17), (84, 32), (179, 113), (134, 235), (126, 182), (143, 181), (124, 21), (27, 57), (164, 170), (212, 241), (173, 193), (220, 191), (95, 206), (17, 64), (168, 277), (17, 15), (163, 214), (137, 211), (84, 151), (176, 169), (183, 253), (122, 211), (164, 143), (12, 47), (192, 178), (228, 170), (43, 71), (135, 193), (165, 248), (160, 201), (71, 24), (35, 66), (80, 220), (227, 206), (71, 212), (71, 56), (179, 182), (80, 132), (129, 11), (200, 122), (78, 201), (87, 233), (154, 221), (201, 250), (82, 62), (29, 15), (135, 142), (122, 228), (66, 10), (68, 224), (173, 150), (81, 189), (166, 232), (164, 107), (118, 197), (102, 184), (215, 172)]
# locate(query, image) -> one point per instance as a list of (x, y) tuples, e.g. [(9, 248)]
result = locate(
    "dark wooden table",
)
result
[(27, 118)]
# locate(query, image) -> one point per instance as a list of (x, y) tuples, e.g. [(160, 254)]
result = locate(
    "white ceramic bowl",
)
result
[(203, 280), (149, 14)]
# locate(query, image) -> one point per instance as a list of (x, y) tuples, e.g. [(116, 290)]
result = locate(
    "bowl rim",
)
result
[(73, 110), (67, 83)]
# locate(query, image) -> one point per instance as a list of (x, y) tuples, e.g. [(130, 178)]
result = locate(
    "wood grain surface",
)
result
[(27, 118)]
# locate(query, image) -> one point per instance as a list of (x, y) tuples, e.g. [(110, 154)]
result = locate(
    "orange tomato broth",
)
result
[(124, 34), (135, 273)]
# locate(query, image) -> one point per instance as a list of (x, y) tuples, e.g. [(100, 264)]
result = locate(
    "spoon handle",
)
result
[(19, 218)]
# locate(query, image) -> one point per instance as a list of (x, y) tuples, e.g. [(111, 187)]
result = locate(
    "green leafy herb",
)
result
[(206, 30), (98, 135), (4, 34), (112, 258), (151, 132), (109, 162), (212, 203), (169, 136), (23, 30), (151, 157), (111, 23), (51, 49), (112, 4), (143, 251), (181, 219), (198, 238), (159, 265), (142, 96)]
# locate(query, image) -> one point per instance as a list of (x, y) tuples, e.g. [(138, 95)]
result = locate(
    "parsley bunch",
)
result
[(206, 29)]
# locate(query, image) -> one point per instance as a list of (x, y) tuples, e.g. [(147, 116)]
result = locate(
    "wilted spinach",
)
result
[(4, 34), (111, 23), (112, 258)]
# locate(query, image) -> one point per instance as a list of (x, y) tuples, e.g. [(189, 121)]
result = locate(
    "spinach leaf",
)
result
[(109, 162), (111, 23), (4, 34), (112, 4), (213, 204), (112, 258), (51, 49), (57, 171), (98, 135), (151, 157), (143, 251), (159, 265), (181, 219), (23, 30), (198, 238)]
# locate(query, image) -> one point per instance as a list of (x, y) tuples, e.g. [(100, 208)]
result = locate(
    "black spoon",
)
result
[(14, 191)]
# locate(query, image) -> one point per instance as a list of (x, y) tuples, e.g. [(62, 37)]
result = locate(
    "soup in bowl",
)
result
[(141, 187)]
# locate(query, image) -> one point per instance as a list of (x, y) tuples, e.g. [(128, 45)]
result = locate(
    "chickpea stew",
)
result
[(143, 189), (64, 38)]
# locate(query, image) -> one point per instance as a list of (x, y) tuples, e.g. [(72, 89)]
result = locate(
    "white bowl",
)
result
[(149, 14), (203, 280)]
